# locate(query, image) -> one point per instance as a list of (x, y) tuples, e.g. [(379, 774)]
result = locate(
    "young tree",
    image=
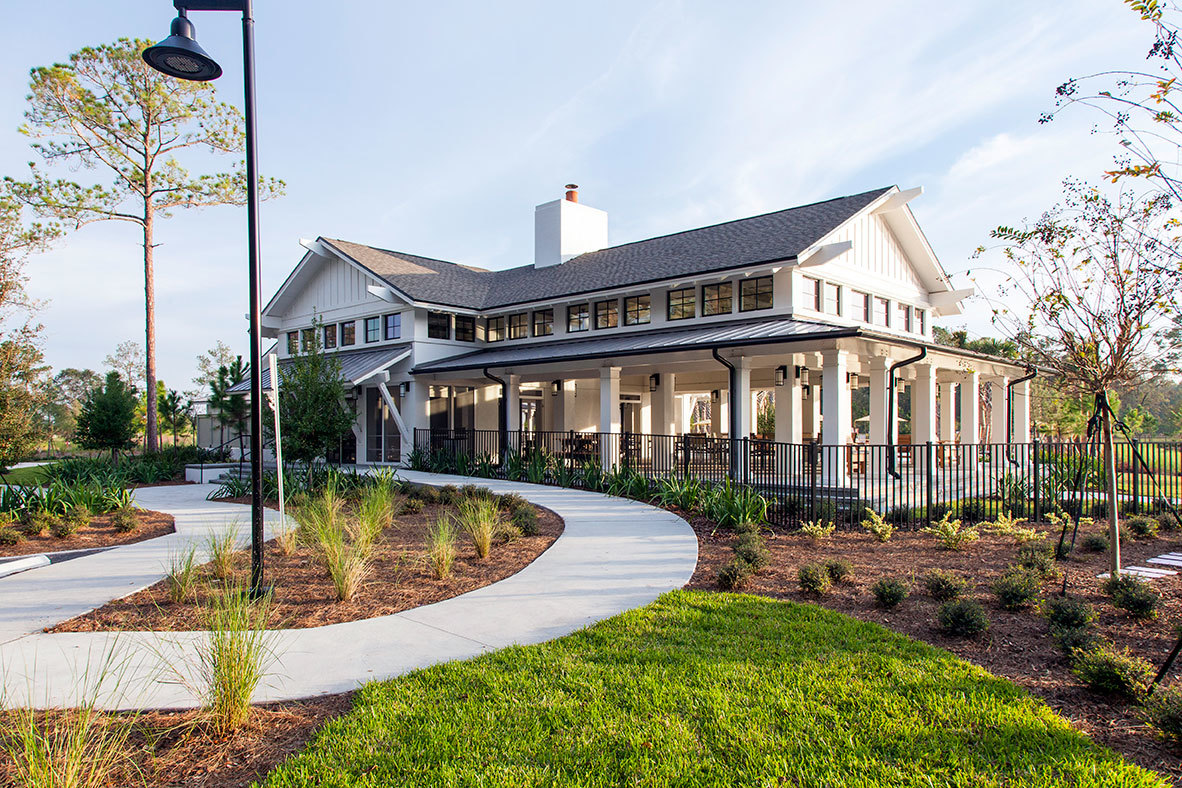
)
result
[(312, 406), (208, 363), (174, 412), (107, 418), (232, 409), (107, 110), (128, 360), (1090, 297)]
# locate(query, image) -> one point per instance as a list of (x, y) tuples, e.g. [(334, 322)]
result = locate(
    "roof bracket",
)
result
[(823, 254)]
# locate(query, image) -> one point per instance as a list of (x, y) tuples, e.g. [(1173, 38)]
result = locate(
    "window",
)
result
[(716, 299), (882, 315), (438, 325), (465, 328), (293, 342), (348, 333), (831, 303), (682, 304), (859, 307), (637, 310), (920, 320), (307, 339), (519, 326), (543, 322), (810, 293), (495, 329), (578, 317), (607, 314), (755, 294), (394, 326), (903, 313), (330, 336), (373, 329)]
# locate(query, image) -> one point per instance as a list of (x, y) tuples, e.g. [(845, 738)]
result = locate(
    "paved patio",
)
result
[(614, 555)]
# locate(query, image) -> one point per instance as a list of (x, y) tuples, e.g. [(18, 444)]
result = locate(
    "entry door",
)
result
[(630, 417)]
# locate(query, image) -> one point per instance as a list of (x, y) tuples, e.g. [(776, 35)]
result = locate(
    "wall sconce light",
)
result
[(852, 379), (806, 390), (802, 374), (714, 395), (654, 380), (404, 388), (555, 387), (781, 374)]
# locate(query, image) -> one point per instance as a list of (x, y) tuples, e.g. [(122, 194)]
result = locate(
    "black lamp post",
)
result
[(180, 56)]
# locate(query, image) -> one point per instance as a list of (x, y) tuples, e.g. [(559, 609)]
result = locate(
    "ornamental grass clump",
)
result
[(877, 526), (181, 576), (234, 657), (221, 546), (951, 533), (944, 586), (1109, 671), (481, 520), (441, 547), (813, 579)]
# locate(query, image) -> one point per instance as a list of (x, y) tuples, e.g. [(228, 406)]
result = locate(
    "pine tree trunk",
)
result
[(151, 442), (1110, 483)]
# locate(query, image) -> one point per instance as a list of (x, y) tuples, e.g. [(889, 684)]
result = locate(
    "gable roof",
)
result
[(770, 237)]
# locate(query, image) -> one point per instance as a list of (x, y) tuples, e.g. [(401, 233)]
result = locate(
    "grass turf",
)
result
[(707, 689), (31, 475)]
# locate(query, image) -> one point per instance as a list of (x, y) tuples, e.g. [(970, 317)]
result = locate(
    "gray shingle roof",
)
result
[(355, 364), (773, 236), (639, 342)]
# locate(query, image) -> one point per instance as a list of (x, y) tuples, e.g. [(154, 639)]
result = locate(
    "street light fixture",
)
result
[(180, 56)]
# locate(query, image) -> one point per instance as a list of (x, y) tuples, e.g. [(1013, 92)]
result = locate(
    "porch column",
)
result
[(664, 405), (948, 411), (789, 413), (923, 404), (685, 422), (1021, 414), (609, 414), (740, 400), (880, 412), (998, 417), (838, 420), (811, 408), (415, 412), (970, 408), (718, 414), (512, 406)]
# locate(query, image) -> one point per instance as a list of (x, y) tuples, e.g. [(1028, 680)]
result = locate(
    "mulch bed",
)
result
[(174, 748), (1017, 645), (304, 595), (98, 534)]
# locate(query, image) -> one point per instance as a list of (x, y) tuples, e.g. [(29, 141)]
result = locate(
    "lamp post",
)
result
[(180, 56)]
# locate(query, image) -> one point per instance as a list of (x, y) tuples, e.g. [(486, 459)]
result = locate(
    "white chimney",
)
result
[(566, 228)]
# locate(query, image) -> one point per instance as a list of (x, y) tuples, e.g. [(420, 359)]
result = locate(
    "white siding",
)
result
[(336, 285)]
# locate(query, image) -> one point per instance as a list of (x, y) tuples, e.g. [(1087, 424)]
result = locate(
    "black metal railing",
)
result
[(810, 481)]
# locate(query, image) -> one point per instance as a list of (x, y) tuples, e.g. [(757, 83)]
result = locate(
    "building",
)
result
[(811, 303)]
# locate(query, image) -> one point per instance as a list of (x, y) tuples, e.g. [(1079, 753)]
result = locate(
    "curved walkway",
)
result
[(614, 555)]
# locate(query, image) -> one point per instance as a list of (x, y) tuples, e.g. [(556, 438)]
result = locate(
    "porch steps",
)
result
[(1156, 571)]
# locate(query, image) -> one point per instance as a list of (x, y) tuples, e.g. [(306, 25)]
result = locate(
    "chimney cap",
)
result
[(571, 186)]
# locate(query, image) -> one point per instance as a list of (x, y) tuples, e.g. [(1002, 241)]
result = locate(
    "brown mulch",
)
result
[(1017, 644), (304, 597), (98, 534), (174, 748)]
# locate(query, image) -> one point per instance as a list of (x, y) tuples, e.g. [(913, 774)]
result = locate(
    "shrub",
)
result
[(734, 574), (1067, 613), (1136, 597), (1006, 524), (34, 523), (963, 618), (1017, 588), (813, 579), (441, 547), (425, 493), (902, 515), (476, 491), (889, 591), (413, 505), (79, 514), (751, 548), (878, 527), (952, 535), (182, 575), (1094, 543), (449, 494), (748, 527), (525, 519), (944, 586), (1166, 521), (975, 510), (125, 519), (234, 657), (818, 529), (1142, 526), (839, 570), (1039, 559), (9, 536), (1163, 710), (511, 502), (1113, 672), (63, 529), (480, 519), (1073, 639)]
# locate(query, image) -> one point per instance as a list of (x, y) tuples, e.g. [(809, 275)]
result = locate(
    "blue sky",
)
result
[(435, 128)]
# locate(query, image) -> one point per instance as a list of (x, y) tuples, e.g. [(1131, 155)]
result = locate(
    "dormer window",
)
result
[(904, 317), (920, 321), (438, 325), (859, 307), (637, 310), (882, 314), (717, 299), (607, 314)]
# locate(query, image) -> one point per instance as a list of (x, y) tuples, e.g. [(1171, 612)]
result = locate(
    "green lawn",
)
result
[(35, 475), (707, 689)]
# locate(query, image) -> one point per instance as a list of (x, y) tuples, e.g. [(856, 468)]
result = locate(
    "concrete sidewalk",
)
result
[(614, 555)]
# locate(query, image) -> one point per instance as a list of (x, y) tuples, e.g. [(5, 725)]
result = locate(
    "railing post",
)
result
[(1037, 473), (929, 473), (812, 458), (1136, 478)]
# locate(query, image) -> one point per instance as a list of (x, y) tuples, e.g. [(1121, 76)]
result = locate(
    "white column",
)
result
[(1021, 414), (948, 411), (512, 405), (880, 412), (998, 418), (741, 397), (609, 414), (789, 414), (415, 411), (923, 404), (687, 411), (970, 408), (811, 423), (838, 421), (664, 406)]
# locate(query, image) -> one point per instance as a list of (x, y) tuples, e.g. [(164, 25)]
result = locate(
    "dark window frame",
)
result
[(718, 299), (682, 303), (633, 310), (610, 314), (329, 337), (581, 313), (543, 319), (756, 288), (373, 329), (393, 320), (518, 325), (293, 342), (468, 322), (446, 328), (307, 338), (494, 329), (349, 333)]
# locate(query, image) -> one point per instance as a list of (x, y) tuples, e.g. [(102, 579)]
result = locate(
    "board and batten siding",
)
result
[(876, 264), (337, 285)]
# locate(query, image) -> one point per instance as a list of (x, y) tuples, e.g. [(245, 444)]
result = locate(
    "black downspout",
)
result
[(732, 384), (890, 408), (1031, 374), (502, 416)]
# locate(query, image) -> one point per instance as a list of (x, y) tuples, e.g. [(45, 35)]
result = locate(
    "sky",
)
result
[(435, 128)]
